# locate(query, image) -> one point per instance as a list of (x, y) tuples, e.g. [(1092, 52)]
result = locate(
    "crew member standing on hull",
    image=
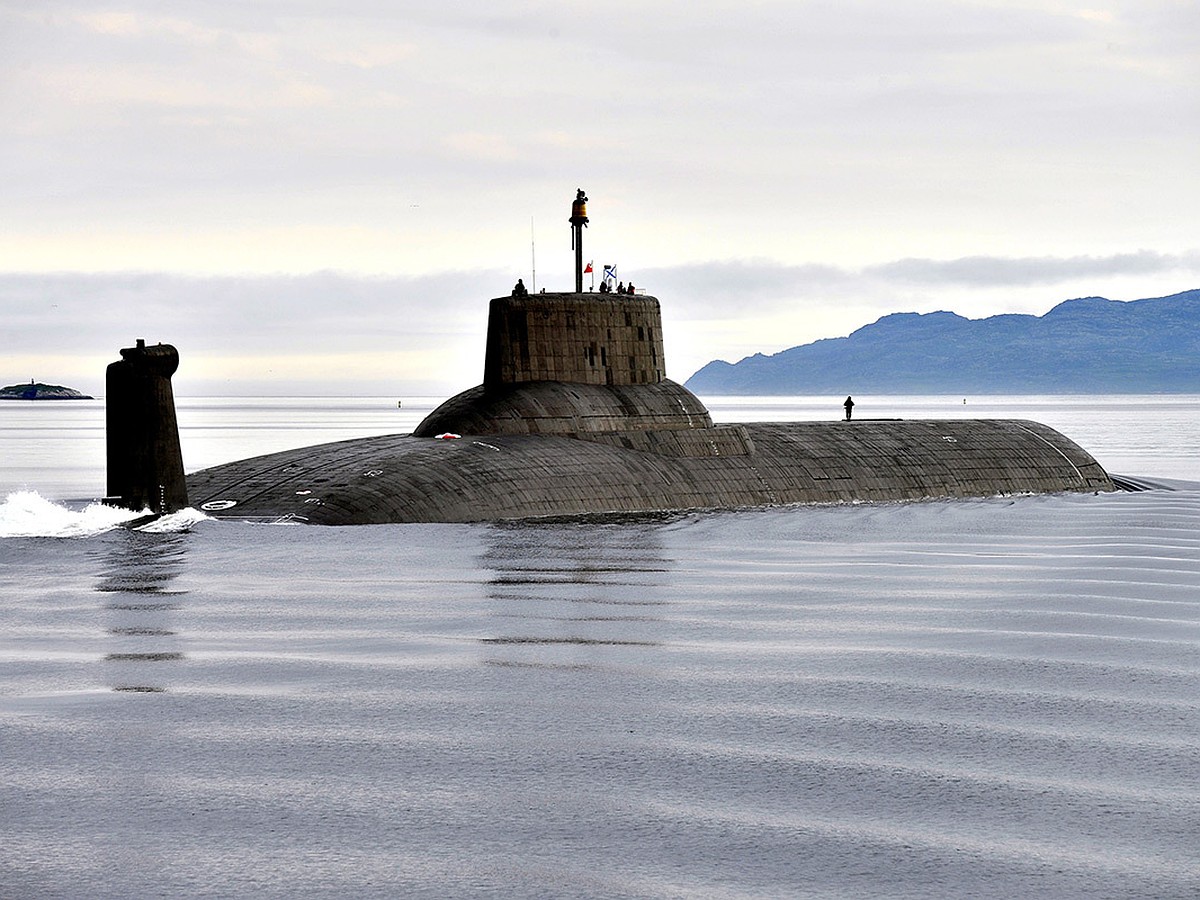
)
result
[(849, 404)]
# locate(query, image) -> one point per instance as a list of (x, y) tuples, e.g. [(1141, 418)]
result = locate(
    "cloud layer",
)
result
[(336, 331), (776, 171)]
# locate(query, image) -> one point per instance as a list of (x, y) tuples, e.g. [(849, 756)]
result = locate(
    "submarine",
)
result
[(575, 417)]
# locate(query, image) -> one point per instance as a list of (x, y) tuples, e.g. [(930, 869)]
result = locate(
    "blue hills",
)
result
[(1083, 346)]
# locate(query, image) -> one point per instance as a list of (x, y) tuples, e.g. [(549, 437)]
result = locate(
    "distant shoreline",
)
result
[(1084, 346)]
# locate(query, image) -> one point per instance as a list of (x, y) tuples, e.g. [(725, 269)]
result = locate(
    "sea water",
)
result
[(982, 698)]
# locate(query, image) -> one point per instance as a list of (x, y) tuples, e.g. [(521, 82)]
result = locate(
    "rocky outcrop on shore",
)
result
[(39, 391)]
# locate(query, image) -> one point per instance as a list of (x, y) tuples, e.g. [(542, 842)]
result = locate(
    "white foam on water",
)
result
[(183, 520), (29, 514)]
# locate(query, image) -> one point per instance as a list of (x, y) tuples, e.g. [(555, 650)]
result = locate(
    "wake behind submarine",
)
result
[(575, 417)]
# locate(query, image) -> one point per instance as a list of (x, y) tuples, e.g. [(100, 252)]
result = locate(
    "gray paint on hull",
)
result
[(490, 477)]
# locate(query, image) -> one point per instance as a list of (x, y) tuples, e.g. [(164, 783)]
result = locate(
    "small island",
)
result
[(39, 391)]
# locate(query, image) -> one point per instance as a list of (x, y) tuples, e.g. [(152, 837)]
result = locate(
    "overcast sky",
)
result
[(323, 194)]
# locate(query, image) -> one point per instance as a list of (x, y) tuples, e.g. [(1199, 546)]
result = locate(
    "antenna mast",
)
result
[(578, 220)]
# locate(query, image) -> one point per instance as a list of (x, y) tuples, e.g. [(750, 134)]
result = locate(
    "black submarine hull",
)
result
[(500, 476)]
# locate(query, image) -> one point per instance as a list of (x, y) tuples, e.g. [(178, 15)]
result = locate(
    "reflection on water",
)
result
[(138, 563), (134, 568), (142, 606), (145, 631), (583, 642), (553, 589)]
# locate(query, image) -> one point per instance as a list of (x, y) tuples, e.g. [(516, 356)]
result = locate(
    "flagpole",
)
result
[(533, 255)]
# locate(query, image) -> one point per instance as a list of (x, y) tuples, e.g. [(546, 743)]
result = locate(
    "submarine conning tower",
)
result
[(571, 363), (605, 339)]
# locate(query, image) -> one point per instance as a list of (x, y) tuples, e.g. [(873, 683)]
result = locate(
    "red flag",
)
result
[(587, 268)]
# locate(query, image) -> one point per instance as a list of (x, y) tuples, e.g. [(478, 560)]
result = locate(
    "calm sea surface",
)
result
[(993, 698)]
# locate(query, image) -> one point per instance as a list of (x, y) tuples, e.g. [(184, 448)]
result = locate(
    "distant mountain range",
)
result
[(1090, 345)]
